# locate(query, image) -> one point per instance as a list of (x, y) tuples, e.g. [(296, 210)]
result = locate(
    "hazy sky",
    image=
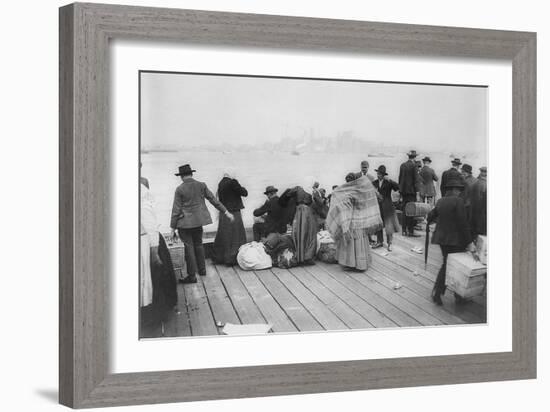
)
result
[(196, 109)]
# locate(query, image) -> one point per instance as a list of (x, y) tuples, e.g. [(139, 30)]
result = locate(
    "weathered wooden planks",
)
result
[(300, 316), (323, 315), (269, 307), (332, 301), (356, 299), (220, 303), (200, 314), (244, 306), (321, 297)]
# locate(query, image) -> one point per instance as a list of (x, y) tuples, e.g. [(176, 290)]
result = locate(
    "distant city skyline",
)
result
[(181, 110)]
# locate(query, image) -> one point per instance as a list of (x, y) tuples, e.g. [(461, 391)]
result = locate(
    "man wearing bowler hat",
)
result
[(469, 181), (427, 189), (409, 186), (189, 215), (452, 173), (274, 221)]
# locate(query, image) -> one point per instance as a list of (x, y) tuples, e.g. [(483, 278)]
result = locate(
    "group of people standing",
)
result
[(357, 209)]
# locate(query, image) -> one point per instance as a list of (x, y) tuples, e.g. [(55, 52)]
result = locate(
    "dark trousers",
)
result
[(194, 250), (439, 287), (258, 231), (408, 221), (380, 236)]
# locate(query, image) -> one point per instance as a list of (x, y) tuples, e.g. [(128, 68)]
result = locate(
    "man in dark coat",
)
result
[(452, 231), (453, 173), (384, 186), (479, 203), (274, 216), (469, 181), (409, 186), (427, 190), (189, 215)]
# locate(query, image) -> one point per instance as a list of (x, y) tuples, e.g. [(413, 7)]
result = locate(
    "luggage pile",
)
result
[(326, 247), (177, 254), (466, 276)]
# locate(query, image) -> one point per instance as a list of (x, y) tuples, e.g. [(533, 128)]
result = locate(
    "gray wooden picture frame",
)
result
[(85, 31)]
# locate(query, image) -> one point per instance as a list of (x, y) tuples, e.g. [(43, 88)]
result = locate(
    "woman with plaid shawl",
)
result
[(354, 214)]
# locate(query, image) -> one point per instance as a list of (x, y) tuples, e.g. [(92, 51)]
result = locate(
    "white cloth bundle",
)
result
[(252, 256)]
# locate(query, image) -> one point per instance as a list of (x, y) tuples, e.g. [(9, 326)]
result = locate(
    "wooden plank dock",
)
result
[(393, 292)]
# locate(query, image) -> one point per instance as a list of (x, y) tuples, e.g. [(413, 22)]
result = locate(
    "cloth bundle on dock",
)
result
[(252, 256)]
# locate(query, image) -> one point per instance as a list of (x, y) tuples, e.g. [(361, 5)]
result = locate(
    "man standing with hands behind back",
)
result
[(189, 215), (409, 186)]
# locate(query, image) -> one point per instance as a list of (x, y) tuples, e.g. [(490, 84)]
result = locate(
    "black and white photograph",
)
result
[(276, 205)]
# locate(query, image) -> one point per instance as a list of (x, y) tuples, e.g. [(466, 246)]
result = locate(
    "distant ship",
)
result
[(298, 148), (379, 155)]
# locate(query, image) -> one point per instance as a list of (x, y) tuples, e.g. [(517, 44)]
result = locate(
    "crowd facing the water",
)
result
[(355, 214)]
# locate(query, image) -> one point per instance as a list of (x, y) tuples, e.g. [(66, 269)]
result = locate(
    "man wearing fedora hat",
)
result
[(274, 221), (384, 186), (427, 188), (452, 173), (409, 186), (469, 181), (452, 230), (189, 215)]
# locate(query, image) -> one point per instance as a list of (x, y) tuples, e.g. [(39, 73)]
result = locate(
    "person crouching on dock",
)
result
[(272, 213)]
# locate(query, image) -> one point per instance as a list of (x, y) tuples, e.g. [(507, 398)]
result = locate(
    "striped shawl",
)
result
[(353, 208)]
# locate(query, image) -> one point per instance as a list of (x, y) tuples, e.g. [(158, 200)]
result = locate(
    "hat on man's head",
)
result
[(427, 159), (483, 169), (364, 163), (382, 170), (270, 189), (456, 161), (412, 153), (454, 182), (184, 170), (466, 168)]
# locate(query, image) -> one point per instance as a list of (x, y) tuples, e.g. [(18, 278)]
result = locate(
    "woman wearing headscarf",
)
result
[(231, 234), (354, 214), (304, 224)]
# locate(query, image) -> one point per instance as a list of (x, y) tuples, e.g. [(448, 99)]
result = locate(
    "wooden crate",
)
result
[(465, 276), (481, 248), (177, 254)]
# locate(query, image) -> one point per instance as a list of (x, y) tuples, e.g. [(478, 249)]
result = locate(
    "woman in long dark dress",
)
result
[(231, 234), (304, 224)]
